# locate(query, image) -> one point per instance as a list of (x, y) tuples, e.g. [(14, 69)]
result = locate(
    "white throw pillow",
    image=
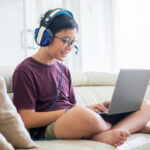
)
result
[(4, 145), (11, 124)]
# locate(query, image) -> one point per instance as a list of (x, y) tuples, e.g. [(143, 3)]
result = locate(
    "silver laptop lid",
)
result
[(129, 91)]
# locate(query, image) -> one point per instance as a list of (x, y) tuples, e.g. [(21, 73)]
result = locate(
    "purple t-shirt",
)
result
[(36, 85)]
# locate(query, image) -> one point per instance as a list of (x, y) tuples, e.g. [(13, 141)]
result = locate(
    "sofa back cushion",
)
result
[(4, 144), (11, 124), (100, 85), (78, 78)]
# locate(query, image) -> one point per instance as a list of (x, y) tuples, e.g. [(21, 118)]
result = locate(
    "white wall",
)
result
[(113, 34), (12, 23)]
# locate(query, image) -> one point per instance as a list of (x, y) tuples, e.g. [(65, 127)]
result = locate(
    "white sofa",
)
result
[(90, 88)]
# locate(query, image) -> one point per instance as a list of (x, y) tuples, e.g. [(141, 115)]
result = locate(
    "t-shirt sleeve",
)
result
[(24, 89), (71, 90)]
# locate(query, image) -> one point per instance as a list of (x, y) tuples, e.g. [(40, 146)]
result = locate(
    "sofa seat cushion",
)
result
[(73, 145), (136, 141)]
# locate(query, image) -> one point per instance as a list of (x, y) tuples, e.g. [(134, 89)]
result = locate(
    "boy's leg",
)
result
[(132, 123), (135, 121), (146, 129), (79, 122)]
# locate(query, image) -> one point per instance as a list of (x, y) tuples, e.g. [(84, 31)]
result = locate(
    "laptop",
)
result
[(129, 91)]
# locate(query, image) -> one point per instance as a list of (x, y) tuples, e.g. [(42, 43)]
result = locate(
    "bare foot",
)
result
[(114, 137), (146, 130)]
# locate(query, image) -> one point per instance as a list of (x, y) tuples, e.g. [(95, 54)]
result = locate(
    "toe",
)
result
[(115, 145), (125, 133)]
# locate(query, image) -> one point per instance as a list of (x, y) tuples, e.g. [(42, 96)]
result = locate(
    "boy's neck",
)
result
[(41, 57)]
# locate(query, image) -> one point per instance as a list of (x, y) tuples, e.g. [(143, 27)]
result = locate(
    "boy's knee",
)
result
[(81, 113), (90, 118)]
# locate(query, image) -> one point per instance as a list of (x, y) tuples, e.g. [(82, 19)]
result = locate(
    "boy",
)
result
[(44, 95)]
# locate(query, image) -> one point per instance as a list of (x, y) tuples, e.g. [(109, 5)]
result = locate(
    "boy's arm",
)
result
[(34, 119)]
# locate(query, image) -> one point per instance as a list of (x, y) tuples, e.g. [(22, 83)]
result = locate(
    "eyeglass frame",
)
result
[(67, 43)]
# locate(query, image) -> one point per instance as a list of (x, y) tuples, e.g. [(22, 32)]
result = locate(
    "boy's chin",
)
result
[(61, 59)]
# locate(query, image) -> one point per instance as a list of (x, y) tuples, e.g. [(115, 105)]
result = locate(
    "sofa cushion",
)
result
[(11, 125), (7, 72), (97, 94), (137, 141), (73, 145), (93, 78), (90, 88), (4, 145)]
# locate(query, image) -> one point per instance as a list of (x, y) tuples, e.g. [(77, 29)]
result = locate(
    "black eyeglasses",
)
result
[(68, 43)]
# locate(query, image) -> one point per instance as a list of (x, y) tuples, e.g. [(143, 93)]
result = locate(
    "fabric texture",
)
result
[(11, 125), (4, 145)]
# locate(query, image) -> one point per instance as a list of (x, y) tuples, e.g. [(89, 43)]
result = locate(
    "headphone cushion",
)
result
[(47, 37), (50, 36), (36, 34)]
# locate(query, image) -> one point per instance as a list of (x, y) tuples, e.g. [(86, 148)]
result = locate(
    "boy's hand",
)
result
[(106, 104), (98, 107)]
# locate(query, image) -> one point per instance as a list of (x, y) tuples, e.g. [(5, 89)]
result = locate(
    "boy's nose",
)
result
[(69, 47)]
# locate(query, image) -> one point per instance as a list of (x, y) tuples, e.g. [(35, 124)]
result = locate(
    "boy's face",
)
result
[(61, 44)]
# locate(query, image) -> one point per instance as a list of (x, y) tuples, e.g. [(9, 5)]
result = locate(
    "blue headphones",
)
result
[(43, 35)]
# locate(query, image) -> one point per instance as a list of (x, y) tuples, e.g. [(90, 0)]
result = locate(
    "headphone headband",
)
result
[(52, 14)]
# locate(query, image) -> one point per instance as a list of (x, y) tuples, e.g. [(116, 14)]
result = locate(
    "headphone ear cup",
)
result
[(47, 37), (36, 34), (50, 36)]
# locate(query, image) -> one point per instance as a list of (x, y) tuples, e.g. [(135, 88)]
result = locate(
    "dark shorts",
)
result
[(113, 119)]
